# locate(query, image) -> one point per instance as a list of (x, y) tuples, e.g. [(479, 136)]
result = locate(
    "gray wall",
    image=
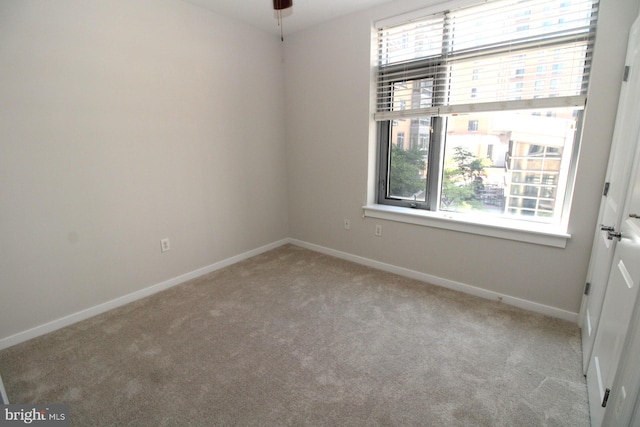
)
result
[(123, 122), (331, 153)]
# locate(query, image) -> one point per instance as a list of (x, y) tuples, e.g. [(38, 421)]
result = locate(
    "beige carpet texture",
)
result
[(293, 337)]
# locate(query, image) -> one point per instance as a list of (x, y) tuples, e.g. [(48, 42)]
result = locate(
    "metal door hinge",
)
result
[(587, 288), (606, 189), (607, 392), (627, 69)]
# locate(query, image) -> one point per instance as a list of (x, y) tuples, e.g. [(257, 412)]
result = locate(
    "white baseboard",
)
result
[(134, 296), (446, 283)]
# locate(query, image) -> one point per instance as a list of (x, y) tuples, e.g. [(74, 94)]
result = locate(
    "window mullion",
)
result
[(435, 162), (384, 157)]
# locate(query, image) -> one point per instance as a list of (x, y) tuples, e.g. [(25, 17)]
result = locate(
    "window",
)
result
[(400, 140), (487, 149), (515, 90)]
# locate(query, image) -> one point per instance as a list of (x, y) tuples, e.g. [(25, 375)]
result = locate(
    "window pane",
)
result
[(515, 163), (408, 163)]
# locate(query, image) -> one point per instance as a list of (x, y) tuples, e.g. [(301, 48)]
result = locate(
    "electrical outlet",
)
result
[(378, 230), (347, 224), (164, 245)]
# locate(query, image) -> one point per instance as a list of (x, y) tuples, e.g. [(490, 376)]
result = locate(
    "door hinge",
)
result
[(587, 288), (627, 69), (607, 392), (606, 188)]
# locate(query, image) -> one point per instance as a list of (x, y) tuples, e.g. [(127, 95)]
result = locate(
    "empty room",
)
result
[(364, 213)]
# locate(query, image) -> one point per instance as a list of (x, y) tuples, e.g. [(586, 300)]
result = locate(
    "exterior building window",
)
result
[(511, 158), (424, 142), (400, 140), (516, 90)]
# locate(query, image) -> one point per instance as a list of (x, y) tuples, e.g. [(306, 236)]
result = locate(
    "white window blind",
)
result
[(501, 55)]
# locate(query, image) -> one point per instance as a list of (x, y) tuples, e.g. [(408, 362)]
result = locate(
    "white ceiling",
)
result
[(303, 14)]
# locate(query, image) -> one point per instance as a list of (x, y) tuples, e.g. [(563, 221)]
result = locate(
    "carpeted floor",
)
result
[(294, 337)]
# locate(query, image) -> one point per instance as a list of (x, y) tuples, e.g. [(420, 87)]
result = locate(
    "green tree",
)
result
[(470, 167), (455, 194), (405, 172), (461, 185)]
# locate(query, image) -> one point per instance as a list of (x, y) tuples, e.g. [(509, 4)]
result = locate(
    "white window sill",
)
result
[(503, 228)]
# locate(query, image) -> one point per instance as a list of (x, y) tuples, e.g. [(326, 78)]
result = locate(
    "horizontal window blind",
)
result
[(500, 55)]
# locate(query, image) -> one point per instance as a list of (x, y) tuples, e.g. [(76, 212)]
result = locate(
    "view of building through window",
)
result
[(507, 162)]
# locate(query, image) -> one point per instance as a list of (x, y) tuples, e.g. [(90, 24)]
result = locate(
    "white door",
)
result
[(625, 135), (620, 303), (624, 402), (615, 319), (623, 407), (620, 300)]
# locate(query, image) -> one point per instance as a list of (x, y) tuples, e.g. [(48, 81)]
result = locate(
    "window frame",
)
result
[(435, 167), (554, 235), (426, 213), (432, 184)]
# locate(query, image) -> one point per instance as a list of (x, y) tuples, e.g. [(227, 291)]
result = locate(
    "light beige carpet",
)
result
[(294, 337)]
